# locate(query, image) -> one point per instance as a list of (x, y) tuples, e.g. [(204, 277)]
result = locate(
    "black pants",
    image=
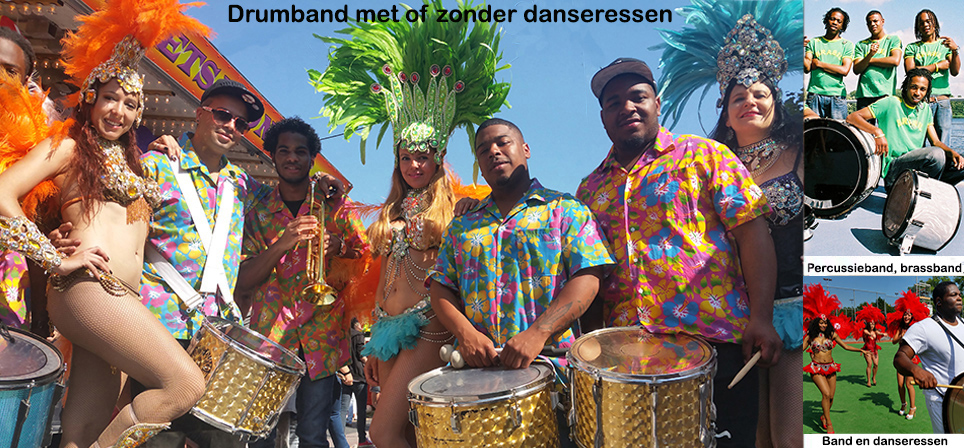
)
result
[(737, 409), (360, 391)]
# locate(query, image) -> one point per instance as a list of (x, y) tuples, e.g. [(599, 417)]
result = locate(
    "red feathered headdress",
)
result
[(868, 312), (817, 303), (842, 325), (907, 302)]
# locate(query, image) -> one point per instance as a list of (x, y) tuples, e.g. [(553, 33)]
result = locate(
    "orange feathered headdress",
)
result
[(109, 43), (817, 303), (906, 302)]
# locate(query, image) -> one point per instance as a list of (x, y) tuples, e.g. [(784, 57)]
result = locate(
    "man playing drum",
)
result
[(670, 207), (902, 124), (875, 60), (937, 342), (274, 251), (828, 59), (520, 268)]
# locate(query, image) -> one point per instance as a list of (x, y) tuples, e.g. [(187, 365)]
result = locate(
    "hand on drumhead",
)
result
[(477, 350), (521, 349), (760, 335)]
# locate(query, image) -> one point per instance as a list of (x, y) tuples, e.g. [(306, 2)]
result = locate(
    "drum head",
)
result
[(634, 352), (900, 204), (256, 345), (25, 357), (954, 408), (445, 384), (836, 167)]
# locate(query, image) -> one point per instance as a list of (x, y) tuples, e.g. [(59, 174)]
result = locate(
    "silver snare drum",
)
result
[(921, 212)]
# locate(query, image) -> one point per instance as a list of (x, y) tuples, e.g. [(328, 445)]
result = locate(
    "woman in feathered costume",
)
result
[(820, 339), (870, 315), (908, 310), (424, 79), (93, 295), (737, 46)]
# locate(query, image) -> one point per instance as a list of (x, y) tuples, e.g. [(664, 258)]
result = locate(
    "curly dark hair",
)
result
[(919, 24), (914, 73), (29, 56), (296, 125), (785, 128), (814, 329), (846, 18)]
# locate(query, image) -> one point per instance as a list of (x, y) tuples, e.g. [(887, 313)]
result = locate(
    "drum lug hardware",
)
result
[(456, 422), (413, 417), (597, 393), (925, 194), (516, 414)]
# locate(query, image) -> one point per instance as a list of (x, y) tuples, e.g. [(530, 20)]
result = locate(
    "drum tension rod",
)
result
[(455, 422)]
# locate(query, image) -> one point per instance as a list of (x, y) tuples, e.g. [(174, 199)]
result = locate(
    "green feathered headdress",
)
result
[(689, 59), (424, 79)]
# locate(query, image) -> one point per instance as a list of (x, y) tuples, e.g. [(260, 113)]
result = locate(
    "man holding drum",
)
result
[(520, 268), (275, 253), (902, 124), (937, 342), (828, 59), (670, 207)]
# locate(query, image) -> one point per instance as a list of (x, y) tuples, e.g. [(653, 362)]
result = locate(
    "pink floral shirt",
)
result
[(666, 220), (277, 310)]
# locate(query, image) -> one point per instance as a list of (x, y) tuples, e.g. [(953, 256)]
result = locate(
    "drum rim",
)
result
[(41, 380), (223, 425), (216, 322), (855, 197), (945, 403), (910, 208), (541, 383), (630, 378)]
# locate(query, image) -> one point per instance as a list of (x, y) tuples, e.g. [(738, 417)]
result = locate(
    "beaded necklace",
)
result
[(407, 237), (760, 156)]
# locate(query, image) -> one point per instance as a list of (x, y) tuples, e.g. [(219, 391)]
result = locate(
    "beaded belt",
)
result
[(111, 284)]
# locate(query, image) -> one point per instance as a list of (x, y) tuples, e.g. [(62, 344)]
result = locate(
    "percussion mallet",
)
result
[(742, 373), (950, 386)]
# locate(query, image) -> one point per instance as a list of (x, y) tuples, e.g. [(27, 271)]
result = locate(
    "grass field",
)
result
[(858, 409)]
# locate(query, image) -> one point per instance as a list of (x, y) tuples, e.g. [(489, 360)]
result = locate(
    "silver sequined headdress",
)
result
[(751, 54)]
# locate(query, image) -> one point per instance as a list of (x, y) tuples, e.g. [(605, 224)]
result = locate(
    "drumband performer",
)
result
[(277, 264), (766, 137), (95, 173), (937, 341), (828, 59), (908, 310), (416, 86), (867, 318), (822, 335)]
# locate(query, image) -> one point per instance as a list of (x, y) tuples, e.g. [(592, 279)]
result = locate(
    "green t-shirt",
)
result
[(831, 52), (876, 80), (904, 126), (929, 54)]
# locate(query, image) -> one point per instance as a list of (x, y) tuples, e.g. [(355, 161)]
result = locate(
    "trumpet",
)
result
[(318, 292)]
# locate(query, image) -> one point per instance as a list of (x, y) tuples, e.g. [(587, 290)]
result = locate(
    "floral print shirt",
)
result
[(15, 287), (277, 310), (507, 270), (175, 237), (666, 220)]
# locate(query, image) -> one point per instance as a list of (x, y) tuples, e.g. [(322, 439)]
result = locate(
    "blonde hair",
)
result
[(436, 217)]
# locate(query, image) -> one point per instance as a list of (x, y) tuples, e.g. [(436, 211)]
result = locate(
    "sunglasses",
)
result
[(223, 117)]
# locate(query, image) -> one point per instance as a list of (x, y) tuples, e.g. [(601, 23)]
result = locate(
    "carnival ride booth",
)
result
[(176, 73)]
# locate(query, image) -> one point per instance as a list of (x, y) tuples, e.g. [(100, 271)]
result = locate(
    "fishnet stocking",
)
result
[(781, 413), (118, 331)]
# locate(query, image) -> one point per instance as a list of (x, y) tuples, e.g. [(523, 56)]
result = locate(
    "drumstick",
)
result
[(950, 386), (742, 373)]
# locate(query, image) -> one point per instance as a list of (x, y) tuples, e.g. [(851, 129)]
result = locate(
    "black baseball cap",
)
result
[(230, 87), (618, 67)]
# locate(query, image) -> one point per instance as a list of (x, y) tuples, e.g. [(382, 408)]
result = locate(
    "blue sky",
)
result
[(865, 289), (898, 19), (550, 97)]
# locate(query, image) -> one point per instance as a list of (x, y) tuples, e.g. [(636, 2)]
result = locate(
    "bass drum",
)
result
[(841, 168), (954, 408), (921, 212)]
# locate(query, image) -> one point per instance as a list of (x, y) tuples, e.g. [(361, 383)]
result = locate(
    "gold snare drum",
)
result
[(488, 407), (249, 378), (634, 388)]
